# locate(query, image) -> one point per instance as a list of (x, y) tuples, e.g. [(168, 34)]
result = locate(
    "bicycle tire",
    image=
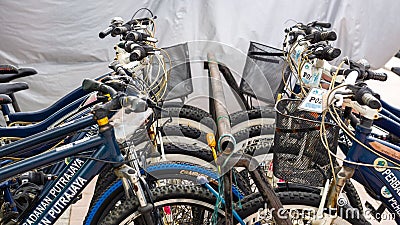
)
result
[(107, 176), (189, 112), (243, 116), (158, 171), (196, 134), (166, 195), (306, 201), (352, 195)]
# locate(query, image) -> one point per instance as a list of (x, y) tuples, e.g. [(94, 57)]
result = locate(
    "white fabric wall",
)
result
[(60, 37)]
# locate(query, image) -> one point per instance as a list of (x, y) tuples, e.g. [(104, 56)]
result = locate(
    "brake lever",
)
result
[(153, 105)]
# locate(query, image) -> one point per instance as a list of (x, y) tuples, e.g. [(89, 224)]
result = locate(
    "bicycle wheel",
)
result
[(182, 202), (242, 119), (179, 204), (302, 207), (109, 185), (187, 112)]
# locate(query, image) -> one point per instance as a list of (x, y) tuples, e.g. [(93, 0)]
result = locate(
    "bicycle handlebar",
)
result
[(138, 36), (138, 52), (118, 28), (93, 85), (106, 32), (369, 100), (363, 75), (326, 52), (362, 94), (317, 36), (320, 24), (371, 75)]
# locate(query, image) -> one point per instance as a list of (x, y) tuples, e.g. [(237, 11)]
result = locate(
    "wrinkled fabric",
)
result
[(60, 38)]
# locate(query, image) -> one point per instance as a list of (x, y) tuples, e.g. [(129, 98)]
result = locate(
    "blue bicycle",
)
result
[(49, 203)]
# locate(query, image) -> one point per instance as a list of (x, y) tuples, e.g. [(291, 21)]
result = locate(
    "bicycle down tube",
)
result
[(77, 174)]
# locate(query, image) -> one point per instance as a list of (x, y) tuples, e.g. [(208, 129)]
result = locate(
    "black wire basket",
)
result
[(299, 154), (179, 84), (265, 65)]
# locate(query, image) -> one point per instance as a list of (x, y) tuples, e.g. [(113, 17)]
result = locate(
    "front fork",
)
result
[(131, 182), (332, 195), (336, 187)]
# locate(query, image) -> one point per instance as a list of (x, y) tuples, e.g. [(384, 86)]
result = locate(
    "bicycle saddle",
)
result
[(10, 88), (9, 73), (4, 99)]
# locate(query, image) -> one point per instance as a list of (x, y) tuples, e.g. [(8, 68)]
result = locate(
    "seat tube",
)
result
[(6, 111)]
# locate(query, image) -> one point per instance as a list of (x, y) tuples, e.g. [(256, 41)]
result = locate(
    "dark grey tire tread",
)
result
[(190, 112), (254, 202), (159, 194), (241, 116), (352, 195)]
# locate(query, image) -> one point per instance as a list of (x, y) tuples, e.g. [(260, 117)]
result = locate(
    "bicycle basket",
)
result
[(299, 154), (263, 63), (179, 82)]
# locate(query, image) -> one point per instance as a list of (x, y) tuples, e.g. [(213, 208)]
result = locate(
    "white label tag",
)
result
[(310, 75), (297, 53), (313, 101)]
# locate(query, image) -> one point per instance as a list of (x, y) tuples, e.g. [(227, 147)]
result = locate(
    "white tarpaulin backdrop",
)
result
[(60, 38)]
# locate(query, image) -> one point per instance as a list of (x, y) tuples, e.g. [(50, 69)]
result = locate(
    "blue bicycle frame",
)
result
[(46, 117), (389, 119), (384, 183), (75, 176)]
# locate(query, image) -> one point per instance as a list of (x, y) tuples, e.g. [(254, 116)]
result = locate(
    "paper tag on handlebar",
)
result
[(310, 75), (313, 101), (296, 54)]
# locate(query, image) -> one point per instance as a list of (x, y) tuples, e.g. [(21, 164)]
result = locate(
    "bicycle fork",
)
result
[(336, 187), (131, 180), (332, 193)]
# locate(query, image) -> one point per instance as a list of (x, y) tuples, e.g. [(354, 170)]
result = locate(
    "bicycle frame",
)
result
[(43, 114), (384, 183), (389, 119), (75, 176)]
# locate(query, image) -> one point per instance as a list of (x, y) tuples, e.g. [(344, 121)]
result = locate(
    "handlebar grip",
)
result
[(134, 36), (130, 46), (117, 68), (369, 100), (117, 84), (332, 53), (329, 35), (138, 53), (92, 85), (371, 75), (327, 53), (138, 36), (318, 36), (322, 24), (105, 32), (121, 30)]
